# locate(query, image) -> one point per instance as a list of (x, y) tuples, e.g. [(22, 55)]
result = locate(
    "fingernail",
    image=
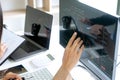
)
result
[(75, 33)]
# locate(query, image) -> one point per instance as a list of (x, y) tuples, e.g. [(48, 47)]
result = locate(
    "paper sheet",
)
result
[(12, 41)]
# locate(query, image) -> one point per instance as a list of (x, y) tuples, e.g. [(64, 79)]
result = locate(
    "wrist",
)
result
[(64, 68), (62, 74)]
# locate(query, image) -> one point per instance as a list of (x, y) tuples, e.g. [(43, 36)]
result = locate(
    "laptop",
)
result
[(11, 40), (99, 58), (37, 31)]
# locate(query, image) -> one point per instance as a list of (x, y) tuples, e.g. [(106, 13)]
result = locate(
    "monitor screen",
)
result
[(98, 31)]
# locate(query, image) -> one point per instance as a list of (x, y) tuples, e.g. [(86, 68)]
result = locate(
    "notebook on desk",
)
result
[(37, 31), (12, 41)]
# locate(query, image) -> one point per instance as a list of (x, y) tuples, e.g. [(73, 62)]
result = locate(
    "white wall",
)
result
[(21, 4), (52, 2), (109, 6), (55, 2), (12, 4)]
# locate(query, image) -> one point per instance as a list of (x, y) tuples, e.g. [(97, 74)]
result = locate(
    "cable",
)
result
[(82, 66)]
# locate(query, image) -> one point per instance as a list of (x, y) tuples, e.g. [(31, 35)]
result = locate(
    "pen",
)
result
[(15, 78), (12, 79)]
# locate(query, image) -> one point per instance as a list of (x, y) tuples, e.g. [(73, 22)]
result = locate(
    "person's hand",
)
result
[(72, 52), (86, 21), (3, 48), (105, 39), (11, 76), (95, 29)]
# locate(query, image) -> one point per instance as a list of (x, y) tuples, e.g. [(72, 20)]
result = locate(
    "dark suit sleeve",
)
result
[(104, 20)]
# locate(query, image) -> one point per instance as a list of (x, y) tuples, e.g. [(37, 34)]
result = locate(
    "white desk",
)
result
[(57, 52)]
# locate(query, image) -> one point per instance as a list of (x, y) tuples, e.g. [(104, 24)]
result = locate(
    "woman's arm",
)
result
[(62, 74), (71, 56)]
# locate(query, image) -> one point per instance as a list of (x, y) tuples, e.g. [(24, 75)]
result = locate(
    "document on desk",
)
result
[(42, 61), (12, 41)]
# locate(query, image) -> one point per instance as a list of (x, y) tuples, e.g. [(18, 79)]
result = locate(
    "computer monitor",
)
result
[(98, 30)]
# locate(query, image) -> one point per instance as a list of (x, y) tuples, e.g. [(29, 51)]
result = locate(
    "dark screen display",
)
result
[(38, 25)]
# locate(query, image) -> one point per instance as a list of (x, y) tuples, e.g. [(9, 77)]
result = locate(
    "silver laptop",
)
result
[(37, 31), (100, 56)]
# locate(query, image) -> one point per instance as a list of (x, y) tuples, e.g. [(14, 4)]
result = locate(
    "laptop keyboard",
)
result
[(29, 47), (42, 74)]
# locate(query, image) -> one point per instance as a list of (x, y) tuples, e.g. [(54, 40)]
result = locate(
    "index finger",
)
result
[(72, 39)]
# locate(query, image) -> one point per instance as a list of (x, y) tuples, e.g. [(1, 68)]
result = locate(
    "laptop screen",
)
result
[(98, 31), (38, 26)]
